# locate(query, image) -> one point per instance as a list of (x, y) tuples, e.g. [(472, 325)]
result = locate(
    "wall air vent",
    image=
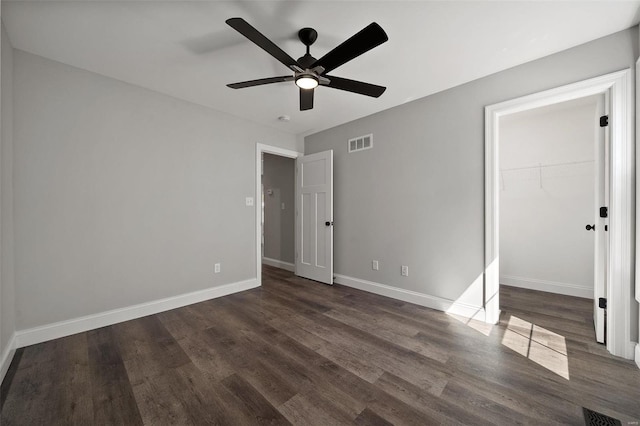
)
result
[(361, 143)]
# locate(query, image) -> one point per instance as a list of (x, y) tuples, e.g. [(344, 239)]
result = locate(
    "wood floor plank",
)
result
[(112, 395), (186, 321), (338, 383), (264, 413), (440, 409), (377, 351), (52, 384), (147, 348), (8, 378), (370, 418), (206, 356), (169, 398), (274, 386), (298, 352), (292, 361), (391, 331), (311, 409), (349, 361)]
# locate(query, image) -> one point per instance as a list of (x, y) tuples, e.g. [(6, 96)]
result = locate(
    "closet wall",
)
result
[(547, 197), (278, 181)]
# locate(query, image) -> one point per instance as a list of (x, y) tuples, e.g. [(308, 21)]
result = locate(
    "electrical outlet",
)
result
[(405, 271), (374, 265), (216, 268), (248, 201)]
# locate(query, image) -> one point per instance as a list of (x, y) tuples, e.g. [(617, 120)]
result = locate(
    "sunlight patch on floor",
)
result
[(544, 347), (479, 326)]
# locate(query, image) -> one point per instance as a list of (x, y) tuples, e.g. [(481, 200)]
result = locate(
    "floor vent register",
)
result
[(593, 418)]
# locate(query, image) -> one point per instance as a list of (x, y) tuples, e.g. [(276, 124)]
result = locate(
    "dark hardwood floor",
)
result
[(299, 352)]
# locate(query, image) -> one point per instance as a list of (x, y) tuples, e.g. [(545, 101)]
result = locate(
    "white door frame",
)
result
[(268, 149), (622, 197), (637, 276)]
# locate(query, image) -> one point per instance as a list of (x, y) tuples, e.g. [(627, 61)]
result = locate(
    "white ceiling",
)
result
[(186, 50)]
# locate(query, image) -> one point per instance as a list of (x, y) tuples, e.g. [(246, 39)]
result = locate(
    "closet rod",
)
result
[(571, 163)]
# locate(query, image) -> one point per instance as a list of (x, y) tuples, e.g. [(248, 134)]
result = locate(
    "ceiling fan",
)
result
[(310, 72)]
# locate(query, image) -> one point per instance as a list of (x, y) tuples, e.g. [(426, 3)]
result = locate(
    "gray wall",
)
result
[(124, 195), (279, 177), (417, 197), (7, 289)]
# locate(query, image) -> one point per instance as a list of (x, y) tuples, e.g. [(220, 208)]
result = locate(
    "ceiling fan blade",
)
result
[(306, 99), (261, 81), (354, 86), (371, 36), (244, 28)]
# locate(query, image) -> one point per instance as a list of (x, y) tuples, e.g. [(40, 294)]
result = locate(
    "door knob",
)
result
[(328, 223), (591, 227)]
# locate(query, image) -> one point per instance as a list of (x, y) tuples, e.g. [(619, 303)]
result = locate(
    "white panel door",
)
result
[(314, 216), (601, 224)]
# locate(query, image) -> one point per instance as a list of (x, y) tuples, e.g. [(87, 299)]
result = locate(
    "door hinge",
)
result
[(604, 212), (604, 121), (602, 302)]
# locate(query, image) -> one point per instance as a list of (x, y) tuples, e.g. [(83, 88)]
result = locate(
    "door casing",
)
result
[(268, 149), (618, 88)]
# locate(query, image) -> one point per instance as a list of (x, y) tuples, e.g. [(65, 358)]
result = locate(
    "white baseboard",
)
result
[(433, 302), (638, 354), (7, 356), (548, 286), (278, 264), (90, 322)]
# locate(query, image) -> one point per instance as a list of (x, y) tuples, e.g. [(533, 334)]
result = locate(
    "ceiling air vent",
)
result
[(360, 143)]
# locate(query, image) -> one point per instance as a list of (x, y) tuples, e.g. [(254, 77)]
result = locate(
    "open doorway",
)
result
[(552, 185), (278, 215), (273, 240), (617, 90), (313, 206), (548, 174)]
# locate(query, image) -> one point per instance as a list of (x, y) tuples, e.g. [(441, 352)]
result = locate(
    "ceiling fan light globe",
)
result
[(307, 82)]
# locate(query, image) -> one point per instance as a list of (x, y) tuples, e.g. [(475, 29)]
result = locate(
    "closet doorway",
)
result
[(553, 167), (617, 90)]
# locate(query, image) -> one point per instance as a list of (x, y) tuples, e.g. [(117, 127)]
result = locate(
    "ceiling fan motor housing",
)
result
[(306, 61)]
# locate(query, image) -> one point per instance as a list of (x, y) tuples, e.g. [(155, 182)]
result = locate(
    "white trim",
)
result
[(7, 356), (637, 354), (56, 330), (433, 302), (288, 266), (556, 287), (637, 276), (619, 87), (260, 149)]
